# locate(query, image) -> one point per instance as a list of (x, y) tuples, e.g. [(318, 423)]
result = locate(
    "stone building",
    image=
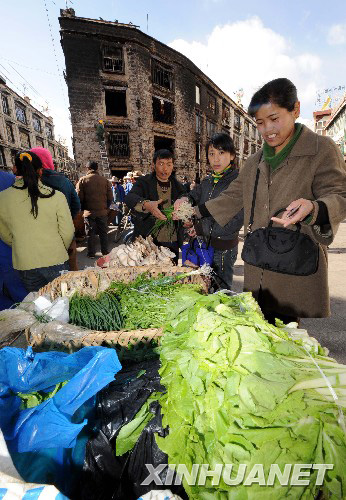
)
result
[(336, 127), (22, 126), (148, 95)]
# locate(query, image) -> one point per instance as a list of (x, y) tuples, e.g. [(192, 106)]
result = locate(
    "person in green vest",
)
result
[(100, 131), (304, 175)]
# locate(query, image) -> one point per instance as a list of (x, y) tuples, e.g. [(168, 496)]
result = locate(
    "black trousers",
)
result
[(96, 225), (270, 315)]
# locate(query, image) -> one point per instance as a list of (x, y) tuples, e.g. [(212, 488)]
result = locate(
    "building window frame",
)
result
[(2, 157), (24, 132), (162, 74), (21, 113), (237, 120), (110, 106), (9, 132), (5, 104), (211, 103), (36, 123), (49, 131), (198, 94), (211, 128), (122, 148), (113, 59), (163, 110)]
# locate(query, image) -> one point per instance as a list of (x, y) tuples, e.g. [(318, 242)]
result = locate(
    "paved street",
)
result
[(330, 332)]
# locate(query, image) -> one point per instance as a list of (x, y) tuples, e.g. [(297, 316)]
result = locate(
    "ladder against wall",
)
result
[(106, 171)]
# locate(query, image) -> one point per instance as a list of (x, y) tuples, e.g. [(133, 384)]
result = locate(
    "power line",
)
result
[(28, 67), (54, 51), (21, 91)]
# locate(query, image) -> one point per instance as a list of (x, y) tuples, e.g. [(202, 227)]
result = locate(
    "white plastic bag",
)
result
[(57, 310)]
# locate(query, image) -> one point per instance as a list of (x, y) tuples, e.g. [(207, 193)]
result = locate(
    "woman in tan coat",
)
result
[(298, 170)]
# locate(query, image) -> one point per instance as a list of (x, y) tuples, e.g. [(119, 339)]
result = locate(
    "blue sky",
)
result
[(239, 44)]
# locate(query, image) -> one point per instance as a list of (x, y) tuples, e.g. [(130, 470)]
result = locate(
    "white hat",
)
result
[(114, 179)]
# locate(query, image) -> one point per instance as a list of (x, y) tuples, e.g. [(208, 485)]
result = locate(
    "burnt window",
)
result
[(20, 113), (113, 59), (211, 128), (198, 152), (5, 106), (163, 111), (259, 139), (162, 75), (39, 142), (2, 157), (118, 143), (253, 149), (49, 131), (253, 132), (115, 102), (211, 103), (24, 139), (36, 122), (198, 123), (236, 120), (9, 130), (198, 94)]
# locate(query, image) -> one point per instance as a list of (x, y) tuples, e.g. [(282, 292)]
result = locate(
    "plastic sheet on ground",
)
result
[(106, 476), (12, 487), (62, 419)]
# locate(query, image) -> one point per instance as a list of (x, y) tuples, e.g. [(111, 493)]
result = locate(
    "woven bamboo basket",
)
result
[(93, 281)]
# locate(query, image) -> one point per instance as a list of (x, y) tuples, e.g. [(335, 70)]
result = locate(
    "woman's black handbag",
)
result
[(278, 249)]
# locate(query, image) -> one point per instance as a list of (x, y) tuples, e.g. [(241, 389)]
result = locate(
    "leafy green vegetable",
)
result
[(169, 222), (242, 391), (33, 399), (130, 433), (146, 303)]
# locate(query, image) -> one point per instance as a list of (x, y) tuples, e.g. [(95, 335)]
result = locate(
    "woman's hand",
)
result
[(177, 204), (152, 207), (295, 212)]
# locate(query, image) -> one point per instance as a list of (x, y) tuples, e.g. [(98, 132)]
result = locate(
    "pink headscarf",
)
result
[(45, 157)]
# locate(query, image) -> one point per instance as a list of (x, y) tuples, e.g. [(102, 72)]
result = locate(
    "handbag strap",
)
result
[(254, 198)]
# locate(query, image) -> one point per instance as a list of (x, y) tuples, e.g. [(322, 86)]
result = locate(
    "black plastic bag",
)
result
[(106, 476)]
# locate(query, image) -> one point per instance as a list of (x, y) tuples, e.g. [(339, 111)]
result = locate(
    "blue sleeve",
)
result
[(122, 193)]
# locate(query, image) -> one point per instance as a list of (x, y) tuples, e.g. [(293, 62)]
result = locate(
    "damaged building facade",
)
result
[(149, 97)]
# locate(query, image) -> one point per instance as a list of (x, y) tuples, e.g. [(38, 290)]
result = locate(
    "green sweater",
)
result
[(274, 160), (40, 242)]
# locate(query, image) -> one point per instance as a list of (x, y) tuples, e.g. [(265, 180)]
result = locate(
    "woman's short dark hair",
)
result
[(280, 91), (162, 154), (223, 141)]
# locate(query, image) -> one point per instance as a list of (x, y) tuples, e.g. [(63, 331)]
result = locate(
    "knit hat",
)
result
[(45, 157)]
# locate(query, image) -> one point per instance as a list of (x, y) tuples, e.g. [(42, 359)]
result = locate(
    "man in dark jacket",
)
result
[(60, 182), (221, 154), (150, 194), (95, 194)]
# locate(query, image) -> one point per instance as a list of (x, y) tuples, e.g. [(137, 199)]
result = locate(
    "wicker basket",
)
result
[(92, 281)]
